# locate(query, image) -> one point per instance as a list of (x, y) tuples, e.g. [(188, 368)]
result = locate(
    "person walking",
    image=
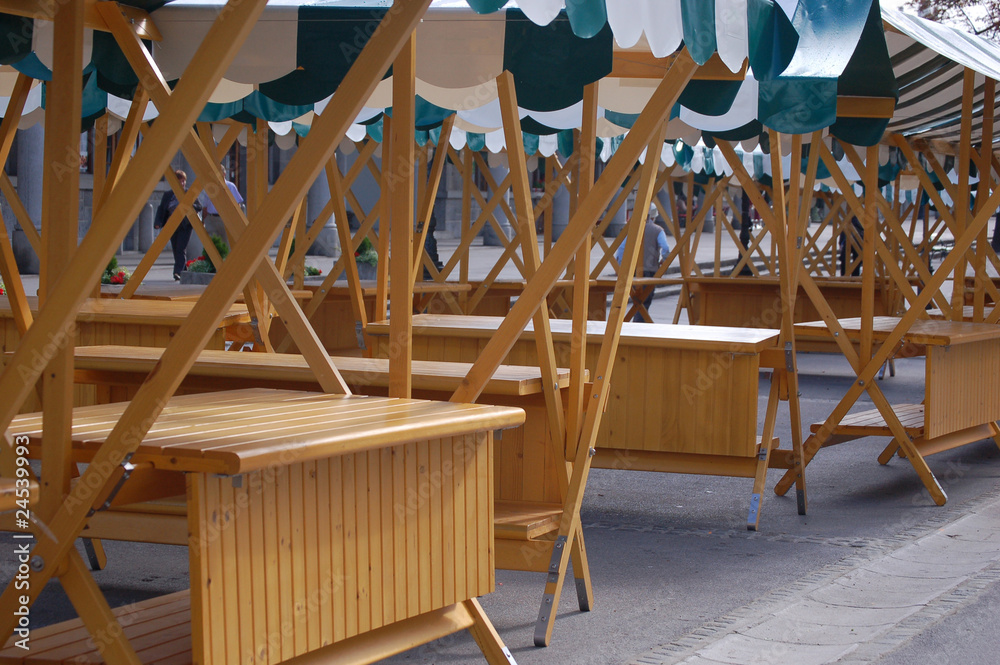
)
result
[(213, 222), (654, 250), (182, 234)]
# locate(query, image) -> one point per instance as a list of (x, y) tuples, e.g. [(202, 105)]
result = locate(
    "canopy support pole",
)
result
[(985, 167), (399, 198), (962, 201), (385, 224), (581, 269), (525, 221)]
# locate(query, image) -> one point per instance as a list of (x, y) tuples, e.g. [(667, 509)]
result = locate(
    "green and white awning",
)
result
[(928, 61), (802, 55)]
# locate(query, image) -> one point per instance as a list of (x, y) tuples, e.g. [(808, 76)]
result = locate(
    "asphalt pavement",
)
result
[(874, 573)]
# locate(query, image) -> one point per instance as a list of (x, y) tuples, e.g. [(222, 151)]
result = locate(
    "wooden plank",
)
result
[(60, 219), (581, 265), (400, 193)]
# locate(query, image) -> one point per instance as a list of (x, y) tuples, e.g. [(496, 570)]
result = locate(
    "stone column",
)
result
[(490, 237), (30, 170), (560, 212), (327, 243)]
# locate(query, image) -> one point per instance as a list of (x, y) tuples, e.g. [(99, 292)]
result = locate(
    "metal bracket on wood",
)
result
[(548, 609), (127, 469), (754, 512)]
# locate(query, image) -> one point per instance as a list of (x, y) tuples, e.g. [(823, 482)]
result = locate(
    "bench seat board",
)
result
[(135, 312), (735, 340), (158, 628), (427, 375), (923, 331), (241, 431)]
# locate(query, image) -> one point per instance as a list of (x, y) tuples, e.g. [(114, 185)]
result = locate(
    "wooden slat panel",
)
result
[(435, 482), (962, 387)]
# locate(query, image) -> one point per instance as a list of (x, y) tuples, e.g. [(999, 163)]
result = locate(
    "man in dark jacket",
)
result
[(179, 240)]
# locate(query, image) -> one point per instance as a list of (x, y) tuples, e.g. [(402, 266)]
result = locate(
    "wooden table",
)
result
[(682, 398), (527, 494), (755, 302), (304, 538), (337, 326), (961, 387)]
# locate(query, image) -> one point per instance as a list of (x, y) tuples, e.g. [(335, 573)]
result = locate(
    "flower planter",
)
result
[(188, 277), (367, 271)]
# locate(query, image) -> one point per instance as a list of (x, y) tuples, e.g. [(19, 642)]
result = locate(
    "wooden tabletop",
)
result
[(703, 338), (369, 288), (181, 292), (923, 331), (771, 281), (242, 431), (968, 312), (293, 368), (135, 312)]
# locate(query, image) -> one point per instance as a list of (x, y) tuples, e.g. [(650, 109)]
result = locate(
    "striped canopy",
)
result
[(799, 54)]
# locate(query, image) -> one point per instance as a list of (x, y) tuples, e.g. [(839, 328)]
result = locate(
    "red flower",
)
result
[(188, 264), (319, 272), (356, 254)]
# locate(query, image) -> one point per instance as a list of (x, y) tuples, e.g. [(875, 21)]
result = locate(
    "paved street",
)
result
[(875, 573)]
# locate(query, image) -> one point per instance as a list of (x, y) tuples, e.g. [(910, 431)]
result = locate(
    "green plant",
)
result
[(113, 274), (203, 263), (221, 247), (366, 253), (200, 264), (312, 271)]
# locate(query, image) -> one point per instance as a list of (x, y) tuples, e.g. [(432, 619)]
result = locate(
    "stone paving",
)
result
[(853, 617)]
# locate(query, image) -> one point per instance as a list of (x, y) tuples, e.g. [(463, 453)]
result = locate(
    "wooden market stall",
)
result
[(299, 447)]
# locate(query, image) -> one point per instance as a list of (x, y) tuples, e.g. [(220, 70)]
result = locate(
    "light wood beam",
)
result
[(400, 195), (580, 226)]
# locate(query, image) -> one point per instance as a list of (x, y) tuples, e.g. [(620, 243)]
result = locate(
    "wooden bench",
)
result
[(755, 302), (137, 323), (961, 388), (524, 481), (336, 324), (683, 399), (970, 290), (496, 298), (303, 535)]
